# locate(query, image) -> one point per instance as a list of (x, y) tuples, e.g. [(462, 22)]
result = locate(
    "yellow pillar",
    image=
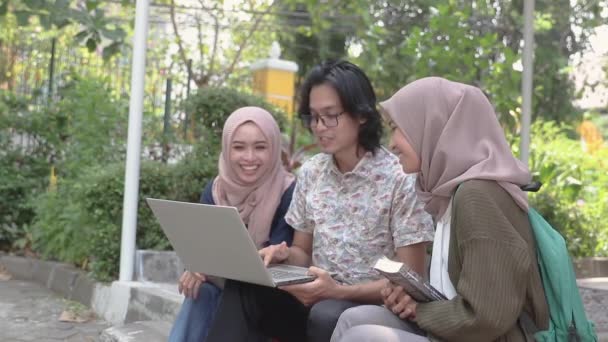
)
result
[(591, 137), (274, 79), (53, 180)]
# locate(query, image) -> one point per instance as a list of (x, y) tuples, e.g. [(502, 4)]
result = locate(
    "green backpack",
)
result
[(568, 321)]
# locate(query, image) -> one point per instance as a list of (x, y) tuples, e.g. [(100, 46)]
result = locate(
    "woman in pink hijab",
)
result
[(484, 254), (252, 179)]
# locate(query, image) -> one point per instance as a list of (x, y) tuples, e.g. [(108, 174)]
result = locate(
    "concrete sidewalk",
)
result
[(31, 312)]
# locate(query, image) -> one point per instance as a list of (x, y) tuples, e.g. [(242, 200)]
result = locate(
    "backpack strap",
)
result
[(527, 326), (532, 187)]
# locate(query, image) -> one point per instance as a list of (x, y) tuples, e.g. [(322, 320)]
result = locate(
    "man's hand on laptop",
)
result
[(190, 283), (274, 254), (323, 287)]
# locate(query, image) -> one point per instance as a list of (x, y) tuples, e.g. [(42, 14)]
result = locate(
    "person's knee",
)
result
[(349, 318), (323, 313), (208, 294), (378, 333), (354, 316), (361, 333)]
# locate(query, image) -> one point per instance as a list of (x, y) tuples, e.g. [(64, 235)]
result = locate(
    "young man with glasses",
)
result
[(352, 204)]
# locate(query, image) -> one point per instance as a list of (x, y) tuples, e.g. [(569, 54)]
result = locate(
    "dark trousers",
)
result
[(250, 312), (323, 318)]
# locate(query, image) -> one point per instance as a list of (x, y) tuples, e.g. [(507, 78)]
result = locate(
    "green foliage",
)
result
[(94, 25), (92, 125), (193, 172), (601, 121), (81, 221), (102, 199), (574, 196), (210, 107), (476, 42), (23, 167), (86, 127), (59, 230)]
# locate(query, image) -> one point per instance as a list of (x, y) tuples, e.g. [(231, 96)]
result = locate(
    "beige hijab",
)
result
[(256, 202), (454, 130)]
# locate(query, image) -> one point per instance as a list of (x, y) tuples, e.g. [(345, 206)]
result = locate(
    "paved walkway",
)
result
[(30, 312)]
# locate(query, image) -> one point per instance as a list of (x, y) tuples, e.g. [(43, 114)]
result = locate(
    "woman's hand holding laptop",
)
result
[(190, 283)]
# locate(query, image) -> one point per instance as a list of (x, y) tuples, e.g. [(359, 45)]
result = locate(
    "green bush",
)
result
[(80, 221), (84, 128), (210, 107), (24, 168), (60, 230), (102, 200), (193, 172), (94, 125), (574, 196)]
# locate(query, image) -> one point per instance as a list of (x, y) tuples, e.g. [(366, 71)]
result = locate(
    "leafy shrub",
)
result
[(80, 221), (85, 127), (60, 229), (23, 167), (210, 107), (193, 172), (102, 200), (94, 125), (574, 196)]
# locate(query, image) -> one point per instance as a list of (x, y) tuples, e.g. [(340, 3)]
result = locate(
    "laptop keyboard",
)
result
[(281, 274)]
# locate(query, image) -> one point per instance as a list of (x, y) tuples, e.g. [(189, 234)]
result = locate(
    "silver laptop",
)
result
[(214, 241)]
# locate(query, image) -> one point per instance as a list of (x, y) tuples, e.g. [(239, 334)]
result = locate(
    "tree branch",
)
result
[(216, 32), (201, 43), (237, 56), (178, 38)]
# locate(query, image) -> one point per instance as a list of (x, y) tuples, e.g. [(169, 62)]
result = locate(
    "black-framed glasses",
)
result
[(328, 120)]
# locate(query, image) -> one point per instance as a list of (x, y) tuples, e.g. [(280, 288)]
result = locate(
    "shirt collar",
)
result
[(361, 169)]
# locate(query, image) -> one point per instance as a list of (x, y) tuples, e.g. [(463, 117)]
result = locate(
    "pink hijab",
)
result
[(255, 202), (454, 130)]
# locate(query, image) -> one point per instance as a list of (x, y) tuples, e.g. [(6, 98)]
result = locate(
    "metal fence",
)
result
[(37, 68)]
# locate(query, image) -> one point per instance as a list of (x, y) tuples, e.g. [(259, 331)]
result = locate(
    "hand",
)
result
[(190, 283), (323, 287), (399, 302), (274, 254)]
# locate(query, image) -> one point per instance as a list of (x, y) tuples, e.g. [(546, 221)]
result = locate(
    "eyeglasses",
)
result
[(328, 120)]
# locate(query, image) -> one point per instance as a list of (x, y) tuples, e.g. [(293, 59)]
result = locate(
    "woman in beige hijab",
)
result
[(252, 179), (484, 254)]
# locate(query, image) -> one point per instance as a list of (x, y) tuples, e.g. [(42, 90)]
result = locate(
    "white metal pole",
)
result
[(526, 82), (129, 207)]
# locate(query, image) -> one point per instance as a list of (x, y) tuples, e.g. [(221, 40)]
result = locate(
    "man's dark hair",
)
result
[(356, 95)]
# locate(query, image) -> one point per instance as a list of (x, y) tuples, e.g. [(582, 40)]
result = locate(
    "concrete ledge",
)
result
[(20, 268), (150, 331), (43, 271), (83, 290), (593, 267), (157, 266), (159, 302), (64, 279), (118, 302)]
